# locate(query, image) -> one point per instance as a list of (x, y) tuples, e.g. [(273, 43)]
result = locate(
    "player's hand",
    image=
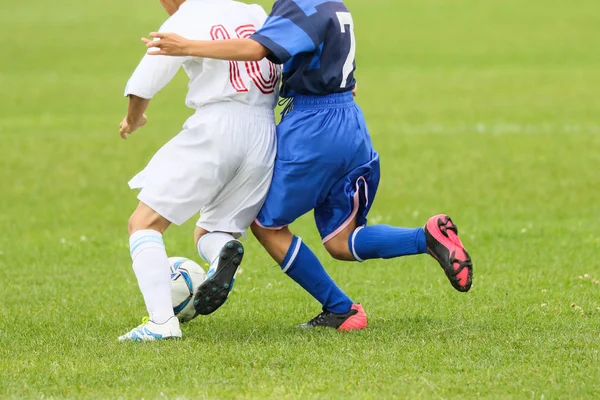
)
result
[(355, 89), (128, 126), (168, 44)]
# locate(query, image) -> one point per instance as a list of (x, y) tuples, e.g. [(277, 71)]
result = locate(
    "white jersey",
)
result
[(211, 81)]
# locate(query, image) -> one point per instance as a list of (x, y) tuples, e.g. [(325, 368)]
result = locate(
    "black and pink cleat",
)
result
[(445, 246), (353, 320)]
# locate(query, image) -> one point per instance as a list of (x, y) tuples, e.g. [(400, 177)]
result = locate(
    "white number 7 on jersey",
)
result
[(345, 19)]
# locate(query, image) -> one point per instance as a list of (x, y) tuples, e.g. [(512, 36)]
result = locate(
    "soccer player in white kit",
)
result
[(220, 165)]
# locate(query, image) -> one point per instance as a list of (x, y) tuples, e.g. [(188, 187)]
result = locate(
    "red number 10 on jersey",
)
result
[(267, 84)]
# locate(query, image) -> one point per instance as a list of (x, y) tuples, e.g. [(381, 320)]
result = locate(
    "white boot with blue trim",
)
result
[(150, 331)]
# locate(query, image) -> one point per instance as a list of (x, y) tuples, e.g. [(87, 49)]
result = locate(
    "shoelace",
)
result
[(145, 320), (316, 320)]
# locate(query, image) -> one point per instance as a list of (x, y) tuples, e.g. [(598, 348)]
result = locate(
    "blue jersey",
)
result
[(314, 40)]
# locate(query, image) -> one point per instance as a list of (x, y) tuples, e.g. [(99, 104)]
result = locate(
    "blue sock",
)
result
[(383, 241), (303, 266)]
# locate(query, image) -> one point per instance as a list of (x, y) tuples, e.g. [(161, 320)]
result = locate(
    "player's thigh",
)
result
[(235, 207), (187, 173), (294, 191), (303, 172), (239, 200), (348, 203)]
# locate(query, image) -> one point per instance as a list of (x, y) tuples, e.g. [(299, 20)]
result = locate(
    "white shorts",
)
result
[(220, 165)]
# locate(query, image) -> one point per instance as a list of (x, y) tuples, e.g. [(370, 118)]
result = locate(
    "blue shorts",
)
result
[(326, 162)]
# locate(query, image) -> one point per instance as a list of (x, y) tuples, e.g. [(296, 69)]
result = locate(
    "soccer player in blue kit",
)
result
[(325, 160)]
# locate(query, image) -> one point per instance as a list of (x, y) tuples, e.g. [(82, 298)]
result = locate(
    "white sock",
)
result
[(151, 267), (210, 245)]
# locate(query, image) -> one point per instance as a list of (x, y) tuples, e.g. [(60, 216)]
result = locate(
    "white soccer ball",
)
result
[(186, 276)]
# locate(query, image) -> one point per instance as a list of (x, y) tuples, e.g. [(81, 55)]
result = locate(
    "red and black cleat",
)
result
[(354, 319), (445, 246)]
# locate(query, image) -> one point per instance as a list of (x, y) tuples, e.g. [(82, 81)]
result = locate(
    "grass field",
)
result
[(488, 110)]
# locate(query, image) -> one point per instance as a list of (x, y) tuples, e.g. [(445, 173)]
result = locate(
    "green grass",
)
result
[(487, 110)]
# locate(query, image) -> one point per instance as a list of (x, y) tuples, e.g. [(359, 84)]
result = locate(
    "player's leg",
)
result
[(359, 243), (345, 234), (296, 189), (439, 238), (248, 134), (181, 177), (351, 239), (302, 265), (352, 198), (151, 267)]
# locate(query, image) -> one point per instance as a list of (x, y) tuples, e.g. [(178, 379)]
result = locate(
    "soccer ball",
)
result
[(186, 276)]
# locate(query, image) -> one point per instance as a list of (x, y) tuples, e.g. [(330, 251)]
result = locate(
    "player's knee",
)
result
[(198, 233), (146, 218), (270, 237), (259, 232), (137, 223), (339, 250)]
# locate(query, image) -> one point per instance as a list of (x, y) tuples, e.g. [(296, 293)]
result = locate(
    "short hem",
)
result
[(271, 228), (236, 232), (353, 214)]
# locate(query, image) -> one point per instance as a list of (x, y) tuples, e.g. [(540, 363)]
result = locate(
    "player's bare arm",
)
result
[(171, 44), (135, 117)]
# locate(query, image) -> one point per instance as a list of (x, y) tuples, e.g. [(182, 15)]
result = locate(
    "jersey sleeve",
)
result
[(154, 72), (152, 75), (284, 34)]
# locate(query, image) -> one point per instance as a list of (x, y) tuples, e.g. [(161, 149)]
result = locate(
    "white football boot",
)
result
[(149, 331)]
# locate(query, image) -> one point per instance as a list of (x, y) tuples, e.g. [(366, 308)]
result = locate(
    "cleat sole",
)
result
[(445, 246), (215, 290)]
